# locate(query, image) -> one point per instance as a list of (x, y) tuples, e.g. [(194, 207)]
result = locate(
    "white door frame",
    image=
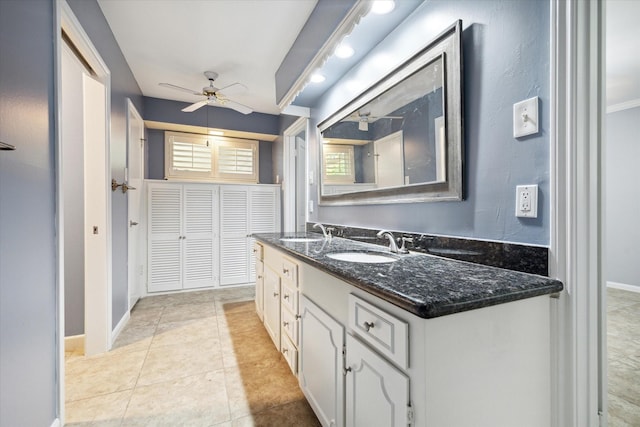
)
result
[(135, 231), (65, 19), (577, 110), (289, 174), (395, 137)]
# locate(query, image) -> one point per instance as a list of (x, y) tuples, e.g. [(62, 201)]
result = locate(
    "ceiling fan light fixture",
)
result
[(382, 7)]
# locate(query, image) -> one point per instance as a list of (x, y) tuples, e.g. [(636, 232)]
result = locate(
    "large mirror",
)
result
[(401, 140)]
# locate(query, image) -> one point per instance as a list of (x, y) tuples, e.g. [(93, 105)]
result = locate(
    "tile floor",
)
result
[(623, 347), (191, 359)]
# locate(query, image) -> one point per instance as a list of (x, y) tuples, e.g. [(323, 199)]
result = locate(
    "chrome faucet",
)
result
[(326, 232), (393, 246)]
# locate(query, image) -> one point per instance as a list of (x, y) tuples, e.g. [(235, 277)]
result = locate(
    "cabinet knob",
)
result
[(285, 270), (285, 324), (298, 316), (255, 251), (346, 370), (368, 325), (275, 294), (286, 296), (259, 276), (285, 350)]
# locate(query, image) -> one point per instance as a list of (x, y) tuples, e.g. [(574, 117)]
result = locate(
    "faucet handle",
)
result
[(403, 249)]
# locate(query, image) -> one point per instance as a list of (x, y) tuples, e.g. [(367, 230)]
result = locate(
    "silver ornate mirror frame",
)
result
[(448, 45)]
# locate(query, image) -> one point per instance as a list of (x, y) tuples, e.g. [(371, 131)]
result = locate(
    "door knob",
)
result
[(132, 223)]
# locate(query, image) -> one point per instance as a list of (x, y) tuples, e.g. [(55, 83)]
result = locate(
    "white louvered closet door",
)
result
[(234, 229), (164, 219), (199, 243), (263, 212)]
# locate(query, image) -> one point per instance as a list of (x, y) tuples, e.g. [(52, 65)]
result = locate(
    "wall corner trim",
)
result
[(120, 326)]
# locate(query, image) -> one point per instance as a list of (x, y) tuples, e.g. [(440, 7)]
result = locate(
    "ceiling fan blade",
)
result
[(180, 88), (195, 106), (233, 88), (237, 106)]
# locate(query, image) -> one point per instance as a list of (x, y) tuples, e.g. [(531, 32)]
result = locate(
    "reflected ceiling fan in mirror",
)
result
[(364, 119), (214, 96)]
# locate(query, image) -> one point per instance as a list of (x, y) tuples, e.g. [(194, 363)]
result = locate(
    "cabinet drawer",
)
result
[(258, 251), (289, 297), (290, 326), (289, 271), (290, 354), (259, 269), (384, 332)]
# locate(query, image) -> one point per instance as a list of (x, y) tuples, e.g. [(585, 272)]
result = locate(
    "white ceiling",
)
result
[(623, 52), (175, 41)]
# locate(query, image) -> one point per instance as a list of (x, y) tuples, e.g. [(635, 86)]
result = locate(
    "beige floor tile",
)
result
[(198, 400), (298, 414), (98, 375), (168, 363), (193, 311), (105, 410), (185, 332), (134, 338)]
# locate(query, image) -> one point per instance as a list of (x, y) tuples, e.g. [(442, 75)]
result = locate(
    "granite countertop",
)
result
[(426, 285)]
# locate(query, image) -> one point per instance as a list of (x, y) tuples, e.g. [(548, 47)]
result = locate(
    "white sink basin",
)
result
[(364, 257), (301, 239)]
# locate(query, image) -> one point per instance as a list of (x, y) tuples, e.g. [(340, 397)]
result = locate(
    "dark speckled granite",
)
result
[(512, 256), (425, 285)]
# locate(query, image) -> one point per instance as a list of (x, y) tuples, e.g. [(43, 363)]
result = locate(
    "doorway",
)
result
[(622, 200), (295, 176), (134, 176), (389, 164)]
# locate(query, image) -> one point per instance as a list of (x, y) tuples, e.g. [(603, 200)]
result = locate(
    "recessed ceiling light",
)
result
[(216, 132), (344, 51), (380, 7), (317, 78)]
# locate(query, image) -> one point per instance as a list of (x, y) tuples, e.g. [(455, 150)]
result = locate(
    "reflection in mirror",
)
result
[(396, 139), (402, 139)]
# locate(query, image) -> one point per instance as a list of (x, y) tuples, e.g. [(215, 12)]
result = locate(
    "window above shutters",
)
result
[(220, 159)]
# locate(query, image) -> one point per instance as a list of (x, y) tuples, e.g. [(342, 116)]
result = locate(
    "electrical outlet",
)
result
[(527, 201)]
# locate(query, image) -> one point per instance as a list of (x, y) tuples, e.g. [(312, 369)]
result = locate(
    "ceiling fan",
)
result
[(213, 94), (364, 119)]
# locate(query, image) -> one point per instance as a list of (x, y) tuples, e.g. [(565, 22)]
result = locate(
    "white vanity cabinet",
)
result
[(281, 303), (479, 368)]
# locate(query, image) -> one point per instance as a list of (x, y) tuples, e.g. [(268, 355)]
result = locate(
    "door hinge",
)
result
[(601, 418), (410, 414), (344, 350)]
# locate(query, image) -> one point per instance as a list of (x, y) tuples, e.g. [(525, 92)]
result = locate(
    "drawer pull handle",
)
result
[(346, 370), (286, 296), (368, 325)]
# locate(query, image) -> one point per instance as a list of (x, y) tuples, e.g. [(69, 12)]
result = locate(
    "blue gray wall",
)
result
[(506, 60), (28, 342), (622, 194), (123, 86)]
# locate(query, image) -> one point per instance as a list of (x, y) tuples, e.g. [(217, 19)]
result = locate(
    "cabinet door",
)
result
[(260, 290), (263, 216), (320, 374), (199, 246), (164, 272), (234, 229), (377, 392), (272, 305)]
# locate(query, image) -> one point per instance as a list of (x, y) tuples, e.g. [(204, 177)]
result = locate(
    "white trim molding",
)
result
[(74, 343), (623, 287), (577, 85), (634, 103), (120, 326)]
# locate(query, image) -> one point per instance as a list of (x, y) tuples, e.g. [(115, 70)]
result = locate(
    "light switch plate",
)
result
[(525, 117), (527, 201)]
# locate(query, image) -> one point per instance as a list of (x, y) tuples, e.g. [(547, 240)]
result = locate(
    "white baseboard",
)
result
[(121, 324), (74, 343), (623, 286), (56, 423)]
